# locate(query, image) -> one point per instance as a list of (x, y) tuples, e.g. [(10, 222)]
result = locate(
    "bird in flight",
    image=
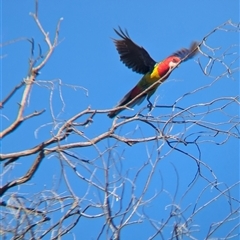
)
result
[(138, 59)]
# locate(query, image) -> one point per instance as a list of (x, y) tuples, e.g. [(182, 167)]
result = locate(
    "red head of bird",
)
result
[(167, 65)]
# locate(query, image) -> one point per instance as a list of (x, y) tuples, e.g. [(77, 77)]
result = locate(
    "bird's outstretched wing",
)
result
[(185, 54), (132, 55)]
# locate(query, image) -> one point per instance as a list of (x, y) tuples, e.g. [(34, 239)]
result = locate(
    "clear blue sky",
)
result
[(87, 57)]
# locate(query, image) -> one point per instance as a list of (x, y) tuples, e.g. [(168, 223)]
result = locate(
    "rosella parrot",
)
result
[(138, 59)]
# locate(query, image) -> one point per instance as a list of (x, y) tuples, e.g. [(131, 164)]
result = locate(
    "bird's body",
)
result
[(139, 60)]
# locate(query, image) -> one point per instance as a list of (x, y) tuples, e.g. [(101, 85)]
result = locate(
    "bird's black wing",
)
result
[(132, 55), (187, 53)]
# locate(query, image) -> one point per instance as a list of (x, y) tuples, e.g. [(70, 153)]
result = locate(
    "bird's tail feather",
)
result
[(126, 99)]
